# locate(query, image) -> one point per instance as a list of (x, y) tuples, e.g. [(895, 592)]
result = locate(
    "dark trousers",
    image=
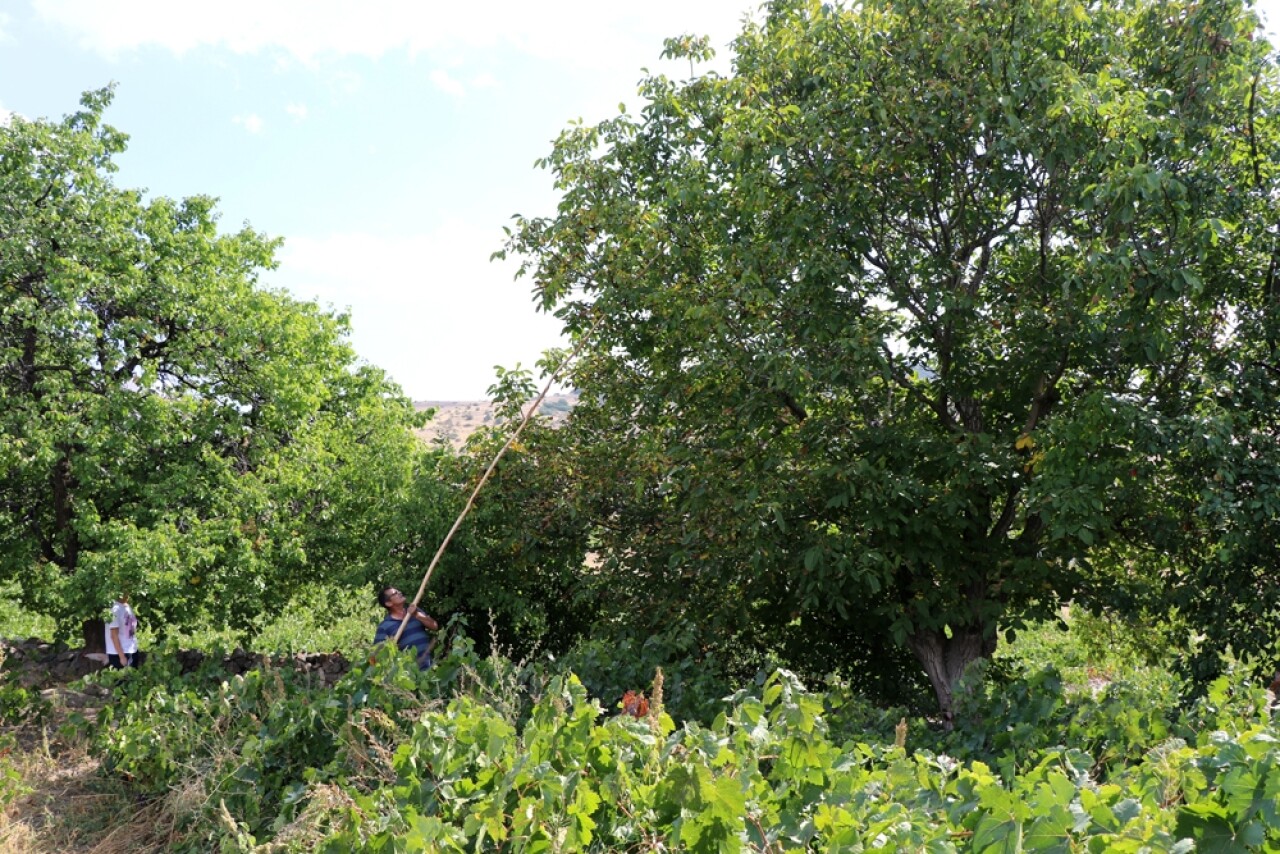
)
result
[(119, 662)]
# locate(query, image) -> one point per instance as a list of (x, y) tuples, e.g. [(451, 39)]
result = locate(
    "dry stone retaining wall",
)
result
[(40, 664)]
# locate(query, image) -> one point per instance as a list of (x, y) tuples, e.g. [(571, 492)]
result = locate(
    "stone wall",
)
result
[(40, 664)]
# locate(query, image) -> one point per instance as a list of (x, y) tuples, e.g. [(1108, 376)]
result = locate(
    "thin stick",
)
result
[(422, 588)]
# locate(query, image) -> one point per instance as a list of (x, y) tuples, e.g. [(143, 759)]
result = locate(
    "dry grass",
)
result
[(324, 804), (64, 802), (67, 805)]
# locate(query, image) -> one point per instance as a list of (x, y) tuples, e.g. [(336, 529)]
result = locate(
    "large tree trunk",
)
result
[(94, 634), (945, 659)]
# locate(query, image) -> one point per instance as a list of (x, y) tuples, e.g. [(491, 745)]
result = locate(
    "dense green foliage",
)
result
[(480, 755), (16, 623), (167, 425), (930, 316), (518, 566)]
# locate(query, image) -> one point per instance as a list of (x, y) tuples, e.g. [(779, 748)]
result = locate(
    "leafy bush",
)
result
[(19, 705), (1052, 750), (247, 755), (321, 618), (767, 776), (693, 685), (246, 747), (318, 617), (488, 754), (12, 784), (1014, 721), (1083, 645)]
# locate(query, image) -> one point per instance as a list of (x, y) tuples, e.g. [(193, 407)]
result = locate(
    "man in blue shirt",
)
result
[(415, 631)]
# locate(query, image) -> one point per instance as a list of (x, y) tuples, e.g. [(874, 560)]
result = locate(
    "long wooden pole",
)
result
[(422, 588)]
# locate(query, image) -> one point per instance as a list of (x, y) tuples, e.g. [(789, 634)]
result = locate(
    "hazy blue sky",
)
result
[(388, 141)]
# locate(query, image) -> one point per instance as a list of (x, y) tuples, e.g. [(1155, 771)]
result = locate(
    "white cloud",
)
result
[(298, 111), (250, 122), (347, 82), (4, 28), (442, 80), (579, 32), (425, 307), (484, 80)]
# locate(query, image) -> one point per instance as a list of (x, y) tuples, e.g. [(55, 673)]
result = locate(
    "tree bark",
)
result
[(93, 633), (63, 484), (945, 658)]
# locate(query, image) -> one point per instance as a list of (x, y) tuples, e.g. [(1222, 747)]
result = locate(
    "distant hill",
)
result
[(455, 420)]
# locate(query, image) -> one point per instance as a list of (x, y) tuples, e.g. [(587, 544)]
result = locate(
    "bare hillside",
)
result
[(455, 420)]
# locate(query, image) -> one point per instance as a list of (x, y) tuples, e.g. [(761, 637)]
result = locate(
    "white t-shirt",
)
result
[(122, 618)]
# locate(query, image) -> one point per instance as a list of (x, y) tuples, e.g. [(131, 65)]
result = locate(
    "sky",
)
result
[(387, 141)]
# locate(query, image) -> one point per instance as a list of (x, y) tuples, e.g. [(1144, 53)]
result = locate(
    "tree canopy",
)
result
[(169, 426), (930, 316)]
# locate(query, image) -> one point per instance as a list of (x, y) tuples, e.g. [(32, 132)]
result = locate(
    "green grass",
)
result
[(1084, 647), (16, 623)]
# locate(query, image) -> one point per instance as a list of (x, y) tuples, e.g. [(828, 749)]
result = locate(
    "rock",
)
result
[(41, 664)]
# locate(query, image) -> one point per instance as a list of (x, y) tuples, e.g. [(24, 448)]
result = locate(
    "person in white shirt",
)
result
[(122, 633)]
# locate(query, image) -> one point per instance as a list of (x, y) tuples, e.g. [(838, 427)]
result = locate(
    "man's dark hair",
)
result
[(382, 596)]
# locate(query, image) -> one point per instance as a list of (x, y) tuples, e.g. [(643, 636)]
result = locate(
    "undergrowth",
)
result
[(485, 753), (488, 754)]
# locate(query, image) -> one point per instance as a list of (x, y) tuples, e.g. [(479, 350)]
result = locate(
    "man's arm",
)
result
[(427, 621)]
